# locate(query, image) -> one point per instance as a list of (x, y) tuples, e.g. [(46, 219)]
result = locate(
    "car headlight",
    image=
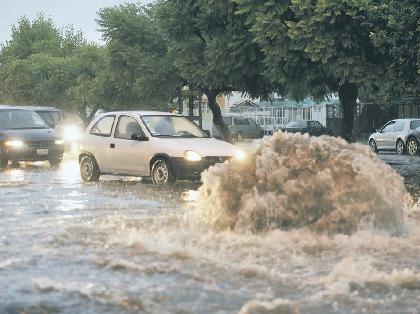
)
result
[(71, 133), (59, 142), (192, 156), (14, 144), (240, 155)]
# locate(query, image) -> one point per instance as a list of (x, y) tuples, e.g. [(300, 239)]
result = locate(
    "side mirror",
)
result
[(139, 137)]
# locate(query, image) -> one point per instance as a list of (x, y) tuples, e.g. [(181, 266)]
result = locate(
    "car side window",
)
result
[(103, 127), (126, 127), (239, 121), (414, 124), (388, 128), (399, 126), (227, 120)]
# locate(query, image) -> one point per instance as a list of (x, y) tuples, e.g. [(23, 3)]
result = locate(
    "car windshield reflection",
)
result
[(172, 126), (16, 119)]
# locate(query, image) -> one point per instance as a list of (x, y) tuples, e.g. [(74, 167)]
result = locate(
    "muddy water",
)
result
[(121, 246)]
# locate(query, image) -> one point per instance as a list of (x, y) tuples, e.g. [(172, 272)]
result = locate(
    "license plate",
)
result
[(42, 151)]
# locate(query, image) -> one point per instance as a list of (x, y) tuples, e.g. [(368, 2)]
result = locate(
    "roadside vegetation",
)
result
[(352, 48)]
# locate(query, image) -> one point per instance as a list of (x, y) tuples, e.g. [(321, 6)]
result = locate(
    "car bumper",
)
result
[(34, 153), (191, 170)]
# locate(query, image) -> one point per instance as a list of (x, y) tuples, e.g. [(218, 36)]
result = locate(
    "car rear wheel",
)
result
[(55, 162), (373, 146), (412, 146), (400, 147), (162, 173), (3, 161), (89, 169)]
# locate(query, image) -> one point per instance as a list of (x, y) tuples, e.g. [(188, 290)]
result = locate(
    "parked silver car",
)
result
[(241, 128), (393, 135)]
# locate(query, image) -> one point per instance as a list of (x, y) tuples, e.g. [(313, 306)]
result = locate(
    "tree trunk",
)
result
[(191, 105), (83, 115), (180, 105), (217, 115), (347, 93)]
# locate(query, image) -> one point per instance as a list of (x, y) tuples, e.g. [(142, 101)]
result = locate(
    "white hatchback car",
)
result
[(163, 146)]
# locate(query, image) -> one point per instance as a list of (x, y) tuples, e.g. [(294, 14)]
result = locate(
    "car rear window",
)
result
[(414, 124)]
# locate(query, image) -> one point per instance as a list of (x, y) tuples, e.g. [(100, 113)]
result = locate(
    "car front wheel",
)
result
[(412, 146), (373, 146), (400, 147), (162, 173), (89, 169)]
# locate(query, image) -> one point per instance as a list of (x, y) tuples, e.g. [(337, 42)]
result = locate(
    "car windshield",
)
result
[(172, 126), (296, 124), (50, 117), (17, 119)]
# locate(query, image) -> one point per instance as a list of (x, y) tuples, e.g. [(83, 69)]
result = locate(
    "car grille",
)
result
[(216, 159), (40, 144)]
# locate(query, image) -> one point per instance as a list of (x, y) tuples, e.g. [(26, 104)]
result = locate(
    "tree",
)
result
[(212, 49), (142, 70), (39, 63), (319, 47), (399, 36)]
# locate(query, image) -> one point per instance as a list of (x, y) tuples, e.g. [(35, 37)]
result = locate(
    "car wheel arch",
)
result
[(159, 156), (86, 154)]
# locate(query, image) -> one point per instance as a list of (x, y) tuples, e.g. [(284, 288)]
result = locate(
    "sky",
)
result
[(79, 13)]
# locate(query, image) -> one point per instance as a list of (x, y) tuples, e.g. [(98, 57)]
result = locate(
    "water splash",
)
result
[(297, 181)]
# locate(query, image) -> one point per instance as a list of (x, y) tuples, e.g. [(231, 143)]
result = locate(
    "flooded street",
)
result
[(122, 246)]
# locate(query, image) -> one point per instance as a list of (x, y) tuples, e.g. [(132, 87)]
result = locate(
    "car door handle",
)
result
[(112, 145)]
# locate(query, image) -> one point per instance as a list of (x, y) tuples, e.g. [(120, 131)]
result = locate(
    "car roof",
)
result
[(405, 119), (142, 113), (41, 108), (33, 108)]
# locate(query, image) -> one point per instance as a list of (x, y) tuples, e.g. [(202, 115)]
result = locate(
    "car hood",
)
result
[(29, 135), (204, 146)]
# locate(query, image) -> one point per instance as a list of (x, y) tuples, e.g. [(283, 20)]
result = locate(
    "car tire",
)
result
[(3, 161), (89, 170), (55, 162), (400, 147), (373, 146), (161, 172), (412, 146)]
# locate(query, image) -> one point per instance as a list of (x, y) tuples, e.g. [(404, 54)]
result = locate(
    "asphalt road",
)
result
[(408, 167)]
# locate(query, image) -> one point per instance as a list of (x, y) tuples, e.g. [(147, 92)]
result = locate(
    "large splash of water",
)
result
[(297, 181)]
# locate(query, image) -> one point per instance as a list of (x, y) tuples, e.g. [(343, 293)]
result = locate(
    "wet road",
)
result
[(121, 246)]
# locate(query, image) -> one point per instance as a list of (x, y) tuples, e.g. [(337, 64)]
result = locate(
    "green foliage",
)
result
[(211, 46), (39, 64), (143, 74)]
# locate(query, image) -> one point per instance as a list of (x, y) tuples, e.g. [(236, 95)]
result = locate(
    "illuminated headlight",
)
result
[(59, 142), (240, 155), (14, 144), (71, 133), (192, 156)]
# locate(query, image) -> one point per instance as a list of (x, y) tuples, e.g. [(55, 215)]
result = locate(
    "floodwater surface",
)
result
[(122, 246)]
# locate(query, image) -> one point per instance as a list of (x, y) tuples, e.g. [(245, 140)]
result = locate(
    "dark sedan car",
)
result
[(24, 136), (313, 128)]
